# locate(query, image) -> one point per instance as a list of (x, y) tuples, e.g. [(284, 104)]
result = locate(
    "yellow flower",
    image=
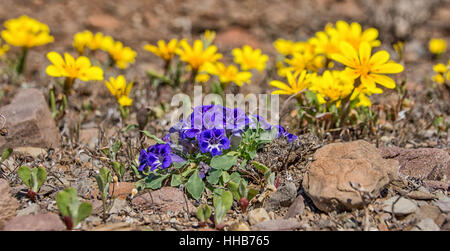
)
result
[(296, 82), (101, 42), (209, 36), (163, 50), (228, 74), (202, 78), (302, 61), (369, 68), (331, 86), (197, 56), (442, 73), (353, 34), (26, 32), (122, 56), (287, 47), (440, 68), (120, 89), (438, 78), (3, 48), (81, 40), (72, 68), (437, 46), (249, 58), (324, 44)]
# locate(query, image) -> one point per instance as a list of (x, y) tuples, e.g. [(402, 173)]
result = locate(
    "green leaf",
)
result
[(116, 147), (235, 177), (65, 199), (154, 181), (105, 151), (103, 180), (243, 189), (118, 168), (223, 162), (252, 193), (195, 185), (178, 165), (6, 153), (176, 180), (213, 176), (84, 210), (203, 213), (222, 203), (129, 127), (151, 136), (41, 177), (24, 174), (136, 172), (260, 167), (225, 177), (234, 188)]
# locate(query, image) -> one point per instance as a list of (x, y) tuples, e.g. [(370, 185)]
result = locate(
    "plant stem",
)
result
[(346, 104), (68, 83), (22, 61)]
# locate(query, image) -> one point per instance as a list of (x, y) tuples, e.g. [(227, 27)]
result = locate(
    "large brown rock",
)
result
[(423, 163), (166, 199), (29, 122), (335, 166), (8, 204), (38, 222)]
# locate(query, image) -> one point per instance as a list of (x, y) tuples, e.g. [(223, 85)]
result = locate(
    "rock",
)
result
[(277, 225), (121, 190), (427, 225), (89, 137), (8, 204), (435, 185), (30, 151), (258, 215), (240, 226), (29, 122), (428, 211), (119, 206), (166, 199), (236, 37), (119, 226), (327, 181), (103, 21), (297, 208), (401, 207), (31, 209), (419, 195), (283, 197), (39, 222), (423, 163), (444, 205)]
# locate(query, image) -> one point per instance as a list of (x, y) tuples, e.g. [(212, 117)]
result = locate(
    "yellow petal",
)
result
[(388, 68), (55, 58), (383, 80)]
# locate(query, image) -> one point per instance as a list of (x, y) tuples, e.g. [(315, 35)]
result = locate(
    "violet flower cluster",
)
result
[(207, 130)]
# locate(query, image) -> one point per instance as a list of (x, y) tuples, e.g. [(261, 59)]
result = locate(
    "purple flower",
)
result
[(259, 120), (156, 156), (235, 119), (213, 141), (203, 170), (283, 133)]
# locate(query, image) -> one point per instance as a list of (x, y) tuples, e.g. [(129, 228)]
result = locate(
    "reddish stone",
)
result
[(8, 204), (29, 122), (121, 190), (236, 37), (423, 163), (39, 222), (166, 199)]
